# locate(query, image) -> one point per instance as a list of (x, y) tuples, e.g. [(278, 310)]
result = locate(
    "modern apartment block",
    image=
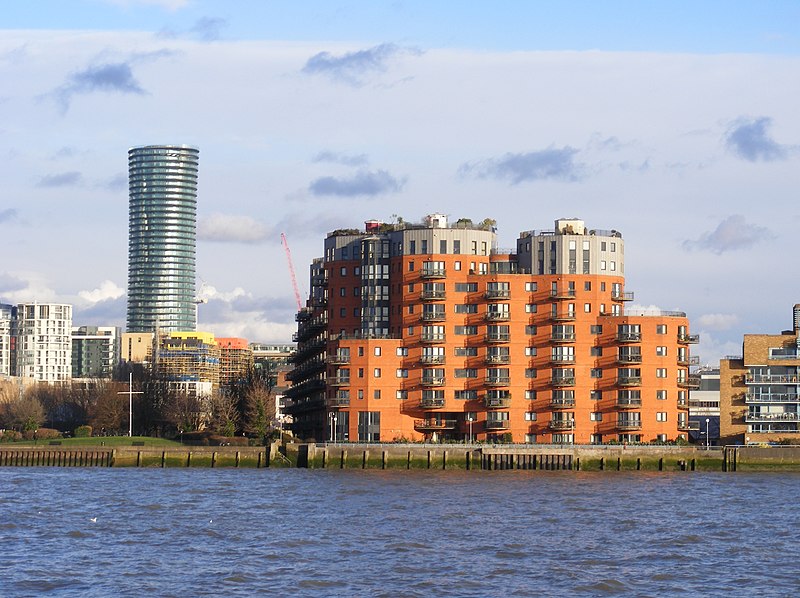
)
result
[(430, 332), (162, 235), (7, 313), (189, 361), (760, 390), (235, 360), (42, 344), (95, 351)]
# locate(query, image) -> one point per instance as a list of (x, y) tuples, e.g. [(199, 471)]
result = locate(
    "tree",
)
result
[(109, 412), (224, 414), (184, 411), (24, 414)]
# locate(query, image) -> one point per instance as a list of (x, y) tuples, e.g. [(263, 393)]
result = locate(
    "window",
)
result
[(412, 247), (602, 245), (402, 373), (424, 244), (661, 395), (587, 286), (530, 373), (466, 373), (596, 395), (443, 246), (596, 329), (530, 438), (661, 329), (587, 308), (411, 265), (530, 308), (457, 266), (376, 394), (360, 394), (402, 351), (596, 351), (530, 395), (401, 395), (530, 416), (356, 311), (466, 309), (457, 250), (661, 351), (342, 312), (466, 351), (597, 373), (376, 372), (466, 395), (342, 292), (377, 351), (661, 416), (361, 351), (343, 271), (466, 330), (596, 416), (530, 351), (613, 246), (531, 286), (530, 329), (466, 287), (602, 264), (661, 372)]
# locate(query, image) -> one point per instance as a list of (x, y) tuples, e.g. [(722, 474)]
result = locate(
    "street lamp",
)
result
[(469, 421), (572, 429), (333, 426), (708, 438)]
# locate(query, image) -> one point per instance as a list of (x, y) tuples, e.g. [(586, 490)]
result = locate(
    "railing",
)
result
[(563, 381), (498, 424), (432, 359), (783, 397), (629, 424), (497, 315), (432, 295), (691, 360), (431, 338), (432, 425), (497, 380), (771, 417), (434, 316), (629, 403), (433, 273), (685, 426), (431, 403), (562, 403), (561, 424), (770, 379), (562, 359), (339, 381), (629, 337), (432, 381), (498, 294), (629, 381), (338, 402), (338, 359), (622, 296), (793, 355), (497, 402), (686, 339), (563, 337), (629, 358), (684, 404), (689, 382), (562, 293), (498, 337), (498, 358), (563, 316)]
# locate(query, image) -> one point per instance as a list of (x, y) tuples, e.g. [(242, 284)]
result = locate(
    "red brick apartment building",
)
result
[(429, 332)]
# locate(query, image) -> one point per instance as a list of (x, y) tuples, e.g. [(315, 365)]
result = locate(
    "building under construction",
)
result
[(235, 360), (190, 361)]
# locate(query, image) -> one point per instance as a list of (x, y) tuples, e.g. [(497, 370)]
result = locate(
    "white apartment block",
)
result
[(6, 312), (43, 339)]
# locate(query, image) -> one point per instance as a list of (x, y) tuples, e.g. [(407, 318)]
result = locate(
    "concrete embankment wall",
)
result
[(556, 457)]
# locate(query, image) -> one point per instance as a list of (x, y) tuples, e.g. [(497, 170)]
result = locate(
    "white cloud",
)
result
[(107, 290), (171, 5), (717, 321), (228, 228)]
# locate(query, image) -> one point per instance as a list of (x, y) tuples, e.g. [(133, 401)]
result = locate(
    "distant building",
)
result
[(7, 314), (43, 344), (137, 347), (704, 408), (190, 362), (95, 351), (760, 390), (235, 360), (429, 331), (162, 238)]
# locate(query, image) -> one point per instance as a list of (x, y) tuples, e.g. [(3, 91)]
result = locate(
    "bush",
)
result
[(215, 440), (83, 432), (10, 436), (41, 434)]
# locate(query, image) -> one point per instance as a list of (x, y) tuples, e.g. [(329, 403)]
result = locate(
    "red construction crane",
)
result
[(285, 244)]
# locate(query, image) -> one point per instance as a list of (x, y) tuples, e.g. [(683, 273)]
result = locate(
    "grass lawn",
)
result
[(100, 441)]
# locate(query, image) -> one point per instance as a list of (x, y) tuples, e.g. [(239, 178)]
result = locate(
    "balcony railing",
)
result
[(431, 402), (339, 381), (629, 337), (687, 339), (338, 359), (433, 316), (629, 358), (432, 381), (562, 403), (692, 382), (497, 402), (497, 380), (686, 426), (562, 424), (498, 337), (568, 316), (497, 294), (683, 404), (563, 381), (431, 359), (770, 379), (629, 381), (433, 273), (498, 424), (629, 403), (622, 296), (497, 315), (771, 417), (563, 337), (338, 402), (432, 295), (629, 424), (562, 359), (434, 425), (783, 397), (498, 358), (562, 293), (432, 338), (689, 360)]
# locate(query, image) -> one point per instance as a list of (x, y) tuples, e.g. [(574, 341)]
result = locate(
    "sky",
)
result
[(674, 123)]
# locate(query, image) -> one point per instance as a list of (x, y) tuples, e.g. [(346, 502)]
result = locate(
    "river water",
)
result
[(214, 532)]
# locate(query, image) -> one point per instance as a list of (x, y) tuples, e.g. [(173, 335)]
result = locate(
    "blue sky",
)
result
[(672, 122)]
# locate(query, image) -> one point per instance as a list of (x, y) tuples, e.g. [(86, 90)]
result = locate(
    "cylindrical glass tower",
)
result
[(162, 234)]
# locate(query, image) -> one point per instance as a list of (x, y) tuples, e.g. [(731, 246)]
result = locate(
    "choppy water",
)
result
[(205, 532)]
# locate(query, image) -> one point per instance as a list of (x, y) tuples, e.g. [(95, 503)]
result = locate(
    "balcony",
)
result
[(771, 417), (567, 316), (629, 403), (498, 337), (431, 402), (339, 381), (497, 402), (433, 273), (336, 402), (683, 404), (629, 424), (629, 381), (497, 380), (628, 358), (685, 426), (622, 296), (338, 359), (688, 339), (562, 403), (432, 381), (433, 316), (434, 425), (562, 337), (498, 424), (433, 295), (560, 425), (505, 358), (687, 361), (769, 379), (692, 382), (432, 338), (562, 293), (493, 316), (431, 359), (498, 294), (629, 337), (783, 397), (563, 381), (562, 359)]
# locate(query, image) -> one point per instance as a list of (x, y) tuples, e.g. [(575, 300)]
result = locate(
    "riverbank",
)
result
[(415, 456)]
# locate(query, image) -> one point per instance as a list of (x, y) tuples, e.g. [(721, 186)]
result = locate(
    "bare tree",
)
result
[(24, 414), (184, 411), (224, 414), (109, 411)]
